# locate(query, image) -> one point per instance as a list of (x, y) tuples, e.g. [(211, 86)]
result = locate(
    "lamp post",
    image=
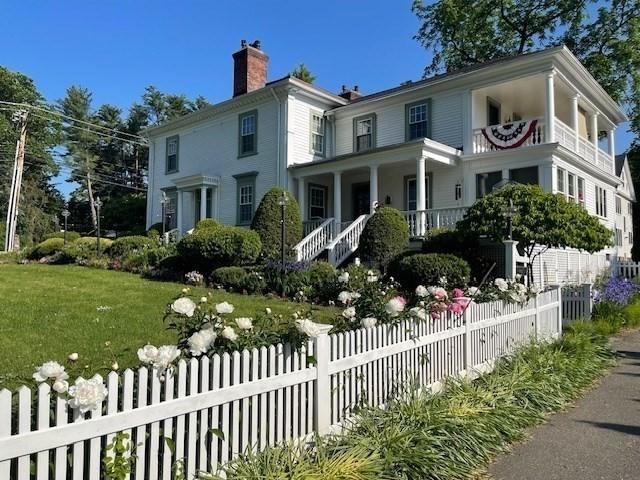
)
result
[(509, 214), (98, 205), (65, 214), (282, 201)]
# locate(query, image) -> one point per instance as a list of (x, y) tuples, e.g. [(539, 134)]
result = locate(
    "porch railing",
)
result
[(309, 226), (344, 244), (566, 137), (421, 221), (481, 144), (314, 243)]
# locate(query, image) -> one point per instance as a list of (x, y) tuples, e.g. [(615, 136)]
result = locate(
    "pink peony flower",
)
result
[(457, 293), (456, 308)]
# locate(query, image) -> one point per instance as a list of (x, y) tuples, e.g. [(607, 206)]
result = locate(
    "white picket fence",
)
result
[(626, 269), (577, 302), (258, 397)]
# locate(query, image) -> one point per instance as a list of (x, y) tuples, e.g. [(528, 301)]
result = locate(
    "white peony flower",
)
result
[(166, 355), (229, 333), (349, 312), (224, 307), (343, 277), (501, 284), (73, 357), (201, 341), (268, 311), (442, 280), (418, 312), (148, 354), (344, 297), (184, 306), (244, 323), (369, 322), (371, 277), (438, 292), (421, 291), (521, 288), (115, 366), (308, 327), (473, 291), (60, 386), (87, 395), (395, 306), (185, 290), (203, 299), (50, 370)]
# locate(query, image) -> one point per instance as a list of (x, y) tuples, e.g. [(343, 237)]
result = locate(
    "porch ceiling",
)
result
[(390, 154)]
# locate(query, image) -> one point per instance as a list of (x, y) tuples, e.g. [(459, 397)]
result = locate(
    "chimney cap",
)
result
[(256, 44)]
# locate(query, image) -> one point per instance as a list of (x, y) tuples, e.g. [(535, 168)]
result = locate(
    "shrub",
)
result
[(207, 249), (207, 224), (296, 277), (323, 280), (429, 268), (229, 277), (127, 245), (266, 222), (254, 282), (157, 227), (71, 236), (47, 248), (83, 250), (385, 236)]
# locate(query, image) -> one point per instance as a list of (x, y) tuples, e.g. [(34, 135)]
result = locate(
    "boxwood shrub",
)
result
[(229, 277), (47, 248), (429, 268), (209, 248), (71, 236), (322, 277), (207, 224), (385, 236), (266, 222), (126, 245)]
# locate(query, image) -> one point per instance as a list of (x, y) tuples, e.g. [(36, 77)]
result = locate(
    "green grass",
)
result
[(48, 312)]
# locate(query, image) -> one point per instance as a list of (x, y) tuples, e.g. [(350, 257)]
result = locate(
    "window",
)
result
[(198, 201), (417, 125), (317, 201), (412, 194), (618, 205), (601, 202), (571, 187), (248, 126), (560, 181), (581, 191), (246, 193), (493, 112), (630, 238), (527, 175), (486, 181), (629, 208), (317, 133), (364, 133), (171, 164)]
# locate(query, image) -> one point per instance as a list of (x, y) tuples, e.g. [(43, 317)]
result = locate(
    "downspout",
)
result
[(150, 181), (279, 133)]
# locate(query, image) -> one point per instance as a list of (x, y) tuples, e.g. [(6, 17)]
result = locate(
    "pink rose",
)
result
[(457, 293), (456, 308)]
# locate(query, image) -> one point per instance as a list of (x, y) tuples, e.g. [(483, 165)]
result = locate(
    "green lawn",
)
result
[(48, 312)]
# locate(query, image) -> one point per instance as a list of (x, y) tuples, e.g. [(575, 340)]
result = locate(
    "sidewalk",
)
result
[(597, 439)]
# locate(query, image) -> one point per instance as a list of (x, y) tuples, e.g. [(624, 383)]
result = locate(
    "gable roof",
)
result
[(620, 159)]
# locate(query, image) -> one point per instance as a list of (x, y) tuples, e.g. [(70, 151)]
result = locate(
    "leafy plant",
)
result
[(119, 457), (385, 236), (432, 269)]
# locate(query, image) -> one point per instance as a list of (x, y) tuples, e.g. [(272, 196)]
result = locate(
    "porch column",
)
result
[(421, 195), (337, 196), (574, 120), (593, 131), (180, 202), (550, 111), (611, 142), (302, 187), (203, 202), (373, 186)]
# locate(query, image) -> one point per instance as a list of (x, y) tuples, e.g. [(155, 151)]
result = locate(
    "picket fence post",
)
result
[(536, 320), (587, 299), (322, 401), (559, 319), (467, 341)]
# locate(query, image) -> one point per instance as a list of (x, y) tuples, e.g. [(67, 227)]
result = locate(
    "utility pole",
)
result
[(20, 119)]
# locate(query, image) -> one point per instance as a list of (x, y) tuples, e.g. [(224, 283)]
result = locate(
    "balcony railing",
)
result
[(482, 144), (421, 221)]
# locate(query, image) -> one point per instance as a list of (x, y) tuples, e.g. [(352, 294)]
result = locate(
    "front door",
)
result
[(361, 200)]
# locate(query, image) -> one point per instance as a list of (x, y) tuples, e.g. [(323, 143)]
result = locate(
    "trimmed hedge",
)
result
[(428, 268), (322, 277), (47, 248), (207, 249), (229, 277), (123, 246), (385, 236), (266, 222), (71, 236), (207, 224)]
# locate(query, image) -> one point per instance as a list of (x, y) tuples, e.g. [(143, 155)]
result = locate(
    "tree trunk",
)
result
[(92, 205)]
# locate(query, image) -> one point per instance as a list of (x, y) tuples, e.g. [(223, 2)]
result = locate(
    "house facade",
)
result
[(625, 198), (429, 148)]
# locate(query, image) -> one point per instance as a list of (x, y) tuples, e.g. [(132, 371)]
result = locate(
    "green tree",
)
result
[(542, 219), (266, 222), (303, 73), (385, 236), (465, 32)]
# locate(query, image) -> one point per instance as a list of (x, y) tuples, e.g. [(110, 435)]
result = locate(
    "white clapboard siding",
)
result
[(214, 408)]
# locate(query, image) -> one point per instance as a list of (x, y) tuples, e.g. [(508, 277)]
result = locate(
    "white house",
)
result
[(625, 198), (429, 148)]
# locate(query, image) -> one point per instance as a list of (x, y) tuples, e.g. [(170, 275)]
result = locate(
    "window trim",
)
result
[(581, 201), (374, 128), (561, 173), (241, 117), (312, 150), (244, 179), (325, 191), (429, 187), (170, 139), (407, 110), (601, 201)]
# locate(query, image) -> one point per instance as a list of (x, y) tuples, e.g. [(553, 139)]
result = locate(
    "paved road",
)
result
[(599, 439)]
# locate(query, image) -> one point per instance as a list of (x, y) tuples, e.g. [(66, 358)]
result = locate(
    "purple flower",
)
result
[(616, 289)]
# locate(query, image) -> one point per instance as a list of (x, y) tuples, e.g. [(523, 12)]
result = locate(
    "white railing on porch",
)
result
[(309, 226), (481, 144), (421, 221), (346, 242), (315, 242), (214, 408), (565, 135)]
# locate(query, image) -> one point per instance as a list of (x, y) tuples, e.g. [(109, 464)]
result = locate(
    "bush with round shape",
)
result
[(254, 282), (323, 280), (385, 236), (123, 246), (429, 268), (207, 224), (83, 250), (71, 236), (47, 248), (157, 227), (207, 249), (229, 277), (266, 222)]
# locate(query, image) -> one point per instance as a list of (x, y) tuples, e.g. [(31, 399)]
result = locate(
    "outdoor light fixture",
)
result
[(282, 201), (458, 191), (65, 214)]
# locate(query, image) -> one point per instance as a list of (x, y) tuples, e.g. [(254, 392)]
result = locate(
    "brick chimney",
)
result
[(350, 93), (249, 68)]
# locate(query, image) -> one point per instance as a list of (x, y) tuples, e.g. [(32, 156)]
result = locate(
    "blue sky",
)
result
[(116, 48)]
